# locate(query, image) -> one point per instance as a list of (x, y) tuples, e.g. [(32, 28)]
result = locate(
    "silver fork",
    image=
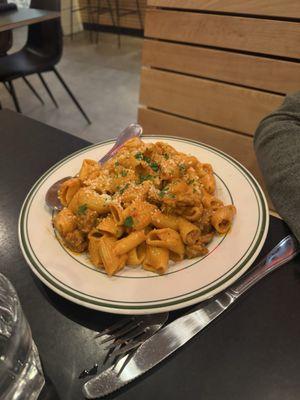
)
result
[(128, 333), (125, 336)]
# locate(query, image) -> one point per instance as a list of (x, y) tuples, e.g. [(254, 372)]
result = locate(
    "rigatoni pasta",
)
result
[(149, 205)]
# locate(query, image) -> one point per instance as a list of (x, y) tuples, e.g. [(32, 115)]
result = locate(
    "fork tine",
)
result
[(133, 343), (124, 349), (121, 332), (131, 335), (119, 324), (126, 361)]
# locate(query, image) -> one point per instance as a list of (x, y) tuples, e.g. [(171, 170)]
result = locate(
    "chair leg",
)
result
[(14, 96), (48, 90), (33, 89), (90, 19), (71, 95), (71, 19), (118, 22), (5, 84)]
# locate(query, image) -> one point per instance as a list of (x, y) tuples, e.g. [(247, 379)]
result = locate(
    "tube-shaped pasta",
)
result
[(141, 212), (160, 220), (156, 259), (206, 238), (209, 183), (193, 213), (137, 255), (65, 222), (68, 189), (210, 201), (195, 250), (94, 249), (189, 232), (221, 219), (108, 226), (112, 263), (166, 238), (89, 198), (117, 213), (129, 242), (89, 169)]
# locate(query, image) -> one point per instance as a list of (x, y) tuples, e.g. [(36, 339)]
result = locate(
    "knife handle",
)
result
[(283, 252)]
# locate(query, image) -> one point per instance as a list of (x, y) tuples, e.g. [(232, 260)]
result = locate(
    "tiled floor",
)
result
[(105, 80)]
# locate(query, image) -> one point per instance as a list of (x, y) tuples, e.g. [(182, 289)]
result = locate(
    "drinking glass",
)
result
[(21, 375)]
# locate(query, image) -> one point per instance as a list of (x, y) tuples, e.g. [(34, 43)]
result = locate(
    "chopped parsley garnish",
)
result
[(166, 156), (128, 222), (123, 172), (139, 156), (191, 181), (154, 166), (182, 167), (171, 195), (162, 193), (82, 209), (124, 188), (145, 178), (117, 163)]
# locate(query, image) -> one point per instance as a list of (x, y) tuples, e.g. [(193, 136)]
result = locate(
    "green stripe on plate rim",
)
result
[(41, 271)]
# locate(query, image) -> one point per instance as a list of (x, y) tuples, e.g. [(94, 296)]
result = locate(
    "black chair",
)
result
[(6, 42), (40, 54)]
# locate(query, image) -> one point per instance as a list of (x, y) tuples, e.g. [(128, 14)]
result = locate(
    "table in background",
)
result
[(23, 17), (251, 352)]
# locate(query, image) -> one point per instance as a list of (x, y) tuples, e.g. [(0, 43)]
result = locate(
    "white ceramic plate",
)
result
[(136, 291)]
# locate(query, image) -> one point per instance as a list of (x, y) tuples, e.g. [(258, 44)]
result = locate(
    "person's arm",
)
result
[(277, 147)]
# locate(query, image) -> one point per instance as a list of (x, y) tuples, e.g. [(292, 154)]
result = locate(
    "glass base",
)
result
[(30, 382)]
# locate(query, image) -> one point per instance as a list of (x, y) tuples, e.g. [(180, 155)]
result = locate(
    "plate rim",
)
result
[(164, 305)]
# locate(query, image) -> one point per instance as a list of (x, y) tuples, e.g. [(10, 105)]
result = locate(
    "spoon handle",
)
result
[(132, 130)]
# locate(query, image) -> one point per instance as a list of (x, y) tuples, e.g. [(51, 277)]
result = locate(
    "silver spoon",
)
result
[(132, 130)]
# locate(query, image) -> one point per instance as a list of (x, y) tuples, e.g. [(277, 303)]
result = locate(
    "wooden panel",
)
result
[(257, 72), (254, 35), (212, 102), (238, 146), (280, 8)]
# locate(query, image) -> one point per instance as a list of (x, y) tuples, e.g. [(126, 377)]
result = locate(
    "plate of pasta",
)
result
[(164, 224)]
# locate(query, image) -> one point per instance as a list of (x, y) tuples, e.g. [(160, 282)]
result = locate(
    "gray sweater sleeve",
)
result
[(277, 147)]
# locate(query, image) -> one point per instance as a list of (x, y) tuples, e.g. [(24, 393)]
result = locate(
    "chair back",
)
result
[(45, 38)]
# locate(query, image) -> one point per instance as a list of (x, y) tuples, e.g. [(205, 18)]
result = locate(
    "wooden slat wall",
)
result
[(256, 35), (212, 69), (128, 21), (246, 70), (278, 8)]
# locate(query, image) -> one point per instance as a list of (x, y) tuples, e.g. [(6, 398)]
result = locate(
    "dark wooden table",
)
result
[(23, 17), (251, 352)]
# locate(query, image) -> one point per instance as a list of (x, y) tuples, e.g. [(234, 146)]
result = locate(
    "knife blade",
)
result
[(177, 333)]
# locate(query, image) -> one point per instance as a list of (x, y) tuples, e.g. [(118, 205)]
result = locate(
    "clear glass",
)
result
[(21, 375)]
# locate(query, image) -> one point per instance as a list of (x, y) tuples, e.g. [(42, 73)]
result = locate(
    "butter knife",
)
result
[(178, 332)]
